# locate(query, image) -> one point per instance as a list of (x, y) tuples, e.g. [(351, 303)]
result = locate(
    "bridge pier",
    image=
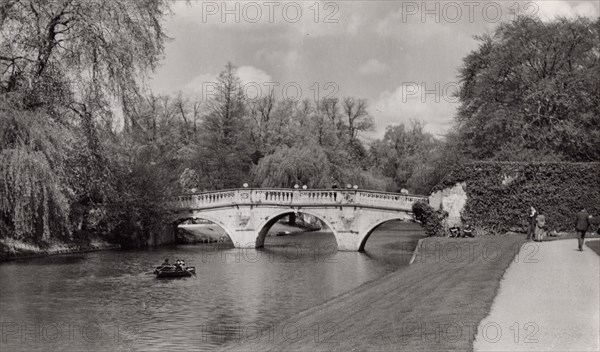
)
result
[(246, 239), (347, 241)]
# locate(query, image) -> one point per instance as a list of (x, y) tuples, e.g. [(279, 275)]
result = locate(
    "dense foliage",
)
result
[(32, 154), (531, 92), (530, 107), (64, 66), (500, 193), (432, 220), (412, 158)]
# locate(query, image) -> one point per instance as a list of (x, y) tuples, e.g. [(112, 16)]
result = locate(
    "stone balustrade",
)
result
[(294, 197)]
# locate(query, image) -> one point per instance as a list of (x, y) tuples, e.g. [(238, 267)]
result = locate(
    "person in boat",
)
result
[(164, 265), (179, 265)]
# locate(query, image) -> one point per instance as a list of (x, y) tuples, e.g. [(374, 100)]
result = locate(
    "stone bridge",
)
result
[(247, 214)]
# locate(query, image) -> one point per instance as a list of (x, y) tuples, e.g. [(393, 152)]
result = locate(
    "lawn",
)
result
[(11, 249), (569, 236), (594, 245), (435, 304)]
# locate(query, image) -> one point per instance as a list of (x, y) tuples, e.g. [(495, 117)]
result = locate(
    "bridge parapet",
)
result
[(295, 197)]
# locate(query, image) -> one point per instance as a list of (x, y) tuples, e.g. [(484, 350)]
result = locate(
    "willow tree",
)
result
[(302, 165), (79, 54), (33, 199), (68, 63)]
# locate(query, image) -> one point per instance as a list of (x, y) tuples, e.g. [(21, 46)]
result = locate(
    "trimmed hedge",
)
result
[(500, 193)]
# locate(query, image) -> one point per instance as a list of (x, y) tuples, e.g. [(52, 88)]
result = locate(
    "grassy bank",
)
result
[(433, 305), (594, 245)]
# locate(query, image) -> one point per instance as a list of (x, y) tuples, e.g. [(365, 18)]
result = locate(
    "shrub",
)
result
[(432, 220), (500, 193)]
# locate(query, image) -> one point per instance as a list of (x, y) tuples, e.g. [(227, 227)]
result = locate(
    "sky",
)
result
[(402, 56)]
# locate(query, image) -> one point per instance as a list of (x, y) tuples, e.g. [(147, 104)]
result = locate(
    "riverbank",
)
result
[(435, 304), (11, 249)]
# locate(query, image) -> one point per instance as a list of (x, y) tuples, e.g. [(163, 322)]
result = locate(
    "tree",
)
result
[(188, 180), (323, 119), (286, 167), (357, 116), (78, 52), (263, 124), (224, 150), (408, 156), (66, 64), (34, 197), (530, 92)]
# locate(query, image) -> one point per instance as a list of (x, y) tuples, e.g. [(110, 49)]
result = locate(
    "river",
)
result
[(110, 301)]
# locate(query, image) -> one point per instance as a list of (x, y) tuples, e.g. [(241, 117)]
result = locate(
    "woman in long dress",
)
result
[(540, 227)]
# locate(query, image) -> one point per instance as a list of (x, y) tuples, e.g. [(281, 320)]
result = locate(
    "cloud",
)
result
[(587, 9), (316, 18), (353, 22), (252, 78), (421, 21), (549, 10), (199, 83), (411, 101), (411, 29), (253, 81), (373, 67), (279, 58), (251, 74)]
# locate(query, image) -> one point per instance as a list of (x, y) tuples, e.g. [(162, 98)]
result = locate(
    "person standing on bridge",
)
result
[(582, 224)]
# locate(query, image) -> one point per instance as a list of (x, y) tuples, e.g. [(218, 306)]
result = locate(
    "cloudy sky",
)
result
[(402, 56)]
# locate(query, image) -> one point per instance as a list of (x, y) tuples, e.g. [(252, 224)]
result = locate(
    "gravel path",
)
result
[(548, 301)]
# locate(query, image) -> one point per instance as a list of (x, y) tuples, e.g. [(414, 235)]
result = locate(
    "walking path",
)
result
[(548, 301)]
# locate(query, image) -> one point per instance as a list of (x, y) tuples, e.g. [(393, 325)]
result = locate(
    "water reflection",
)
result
[(111, 301)]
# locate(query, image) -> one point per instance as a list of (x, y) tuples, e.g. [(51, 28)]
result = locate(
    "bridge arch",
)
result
[(404, 217), (264, 226), (246, 214), (193, 215)]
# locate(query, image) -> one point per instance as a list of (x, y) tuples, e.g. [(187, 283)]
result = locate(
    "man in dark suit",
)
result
[(532, 217), (582, 225)]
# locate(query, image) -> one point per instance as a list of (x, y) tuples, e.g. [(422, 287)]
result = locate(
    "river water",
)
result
[(110, 301)]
